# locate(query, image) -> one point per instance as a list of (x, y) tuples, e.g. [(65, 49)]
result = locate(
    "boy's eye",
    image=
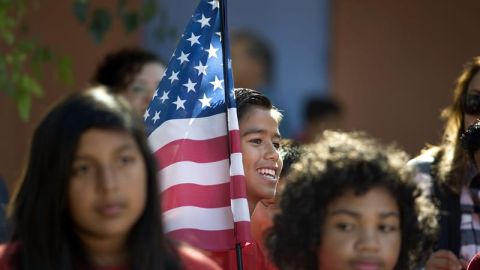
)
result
[(256, 141), (276, 145), (345, 227), (386, 228)]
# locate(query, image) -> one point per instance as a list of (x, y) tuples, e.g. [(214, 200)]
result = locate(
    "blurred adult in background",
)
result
[(449, 176), (471, 143), (320, 114), (133, 73), (252, 60)]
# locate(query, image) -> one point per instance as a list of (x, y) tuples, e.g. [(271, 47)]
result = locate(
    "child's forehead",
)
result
[(256, 109), (374, 198)]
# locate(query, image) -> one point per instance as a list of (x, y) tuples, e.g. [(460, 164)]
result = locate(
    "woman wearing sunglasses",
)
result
[(447, 173)]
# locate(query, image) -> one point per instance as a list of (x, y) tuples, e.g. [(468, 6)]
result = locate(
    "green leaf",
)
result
[(40, 56), (80, 10), (65, 73), (43, 54), (6, 84), (8, 37), (26, 46), (149, 10), (130, 21), (100, 24), (24, 103), (121, 7), (30, 85)]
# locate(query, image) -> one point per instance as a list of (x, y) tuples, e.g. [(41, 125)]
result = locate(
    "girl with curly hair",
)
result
[(350, 203)]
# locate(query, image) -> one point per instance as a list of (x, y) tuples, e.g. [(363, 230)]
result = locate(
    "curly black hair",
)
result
[(290, 152), (118, 69), (338, 163)]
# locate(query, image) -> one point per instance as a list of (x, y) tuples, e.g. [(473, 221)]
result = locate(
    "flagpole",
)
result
[(224, 41)]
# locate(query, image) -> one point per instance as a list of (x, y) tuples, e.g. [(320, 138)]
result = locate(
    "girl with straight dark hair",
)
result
[(89, 198)]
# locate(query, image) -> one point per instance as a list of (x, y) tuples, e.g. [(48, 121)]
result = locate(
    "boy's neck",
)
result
[(251, 205)]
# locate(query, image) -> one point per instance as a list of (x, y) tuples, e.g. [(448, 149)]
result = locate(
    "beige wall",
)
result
[(54, 23), (393, 63)]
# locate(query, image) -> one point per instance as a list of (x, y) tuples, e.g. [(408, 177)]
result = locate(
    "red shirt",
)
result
[(191, 259), (253, 258)]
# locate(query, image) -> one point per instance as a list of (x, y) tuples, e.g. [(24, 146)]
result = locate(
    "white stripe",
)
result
[(191, 217), (468, 251), (232, 119), (191, 128), (236, 168), (187, 172), (240, 210)]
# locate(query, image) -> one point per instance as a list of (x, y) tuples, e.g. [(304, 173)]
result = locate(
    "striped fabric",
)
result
[(193, 129), (470, 220)]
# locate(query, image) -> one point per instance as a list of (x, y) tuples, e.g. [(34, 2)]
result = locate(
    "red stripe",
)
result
[(208, 240), (238, 187), (211, 240), (212, 196), (192, 150), (201, 151), (235, 141), (243, 233)]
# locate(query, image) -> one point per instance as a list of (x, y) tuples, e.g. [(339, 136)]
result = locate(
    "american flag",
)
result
[(192, 127)]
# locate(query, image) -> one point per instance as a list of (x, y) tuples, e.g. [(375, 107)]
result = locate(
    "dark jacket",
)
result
[(447, 201)]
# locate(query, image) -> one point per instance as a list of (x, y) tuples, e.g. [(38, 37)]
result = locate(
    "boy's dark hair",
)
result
[(470, 139), (247, 98), (42, 226), (290, 153), (118, 69), (336, 164)]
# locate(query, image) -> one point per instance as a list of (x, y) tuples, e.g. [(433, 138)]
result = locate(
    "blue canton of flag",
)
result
[(193, 84)]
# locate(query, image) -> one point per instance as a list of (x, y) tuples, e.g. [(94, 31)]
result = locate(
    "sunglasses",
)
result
[(472, 104)]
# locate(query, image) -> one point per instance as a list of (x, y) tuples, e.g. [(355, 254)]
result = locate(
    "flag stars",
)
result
[(204, 21), (155, 94), (156, 117), (202, 69), (190, 86), (219, 34), (205, 101), (174, 76), (180, 103), (183, 57), (217, 83), (146, 115), (164, 96), (215, 4), (212, 51), (193, 39)]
